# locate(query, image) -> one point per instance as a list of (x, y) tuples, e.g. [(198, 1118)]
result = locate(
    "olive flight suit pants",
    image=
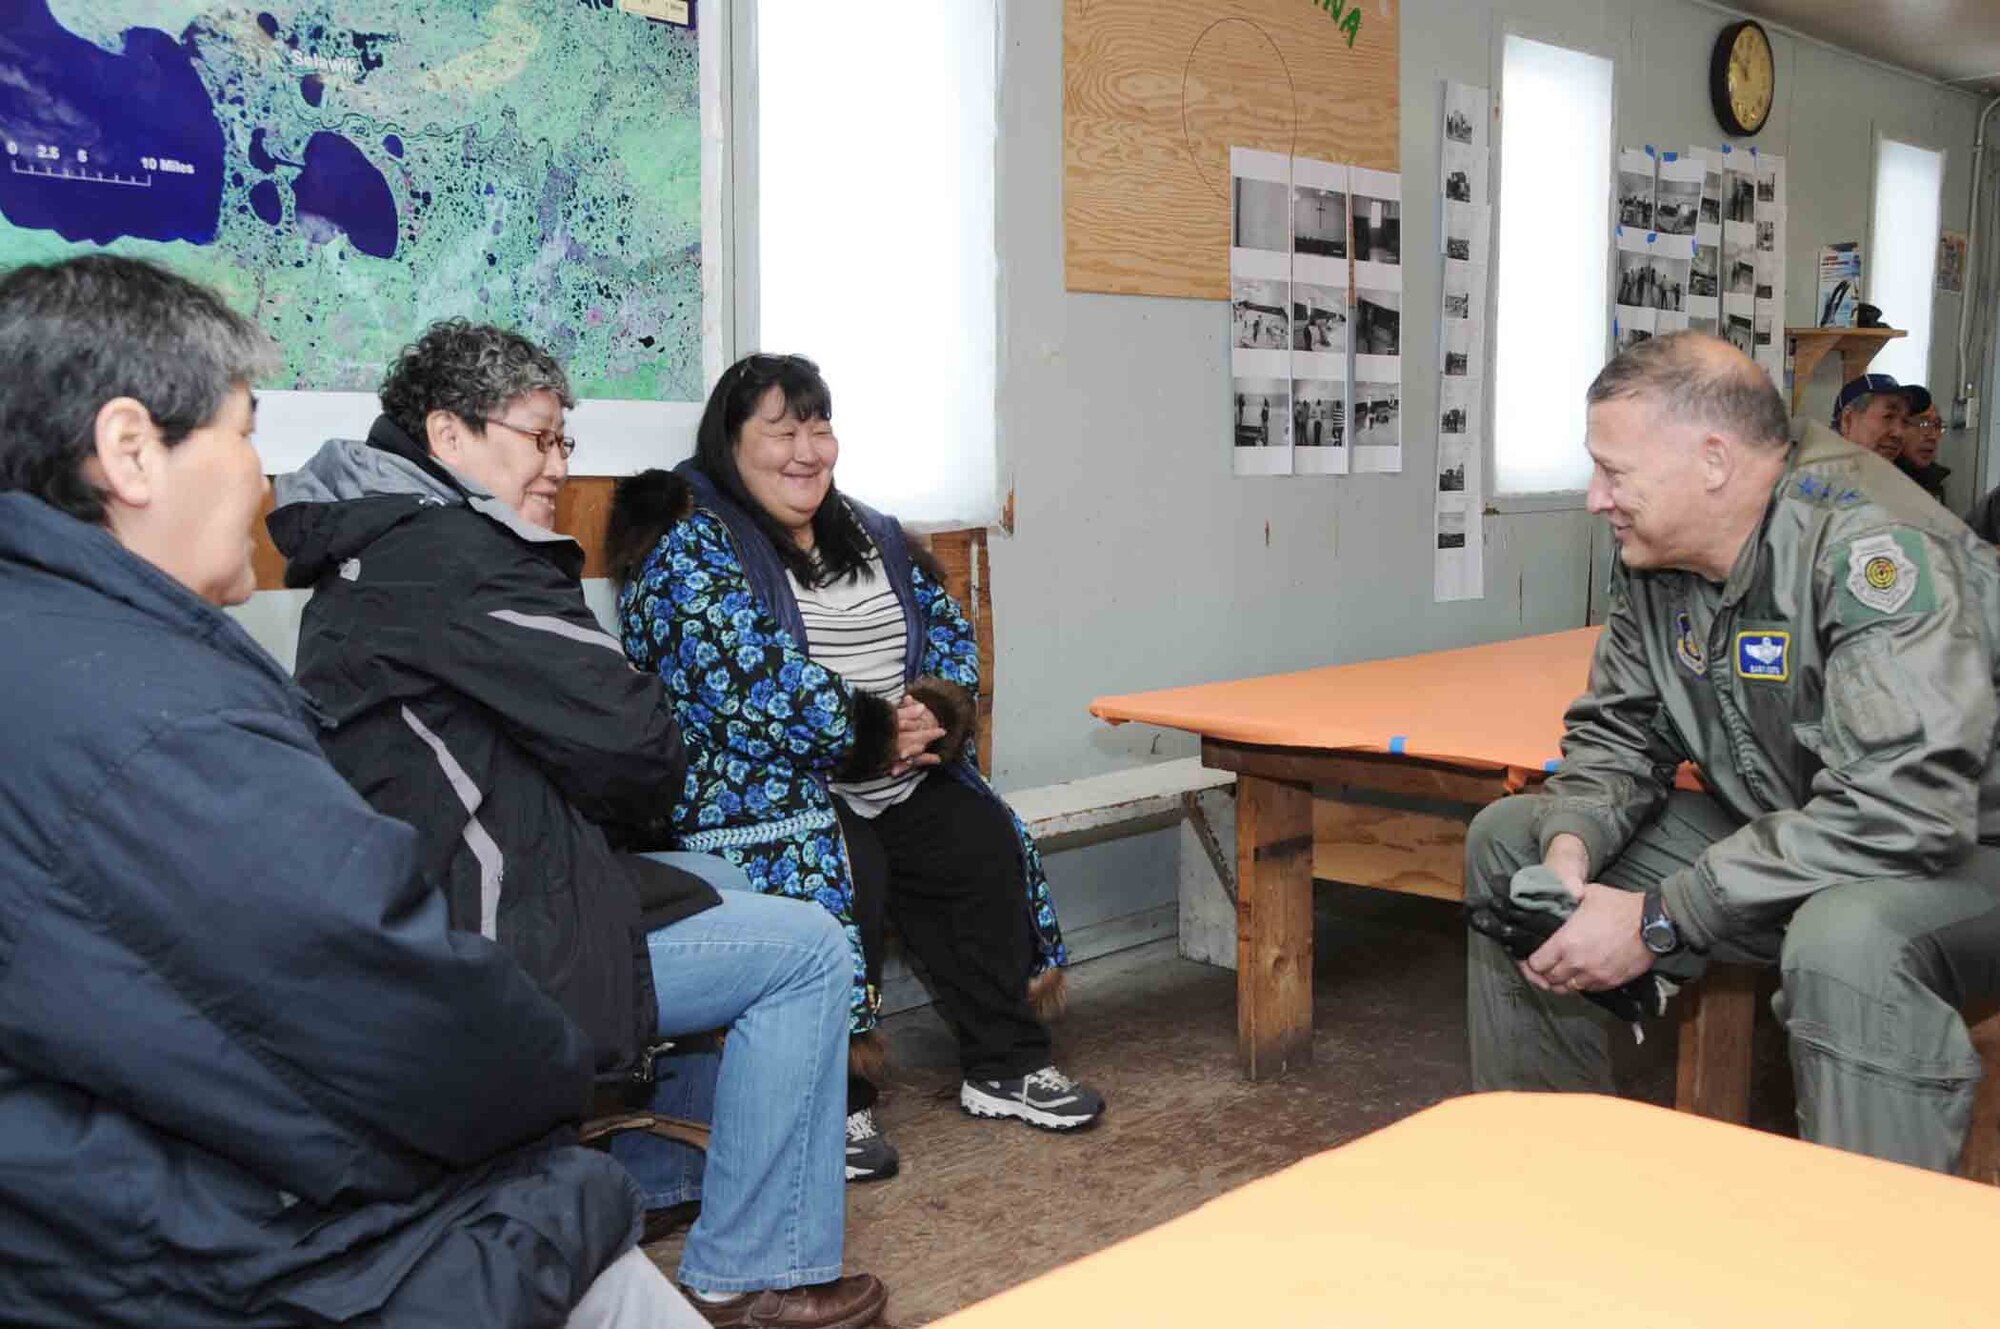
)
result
[(1874, 975)]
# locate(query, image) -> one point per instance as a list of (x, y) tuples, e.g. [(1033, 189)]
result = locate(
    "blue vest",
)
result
[(773, 588)]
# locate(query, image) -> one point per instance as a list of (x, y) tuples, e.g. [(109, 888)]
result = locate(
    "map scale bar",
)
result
[(82, 177)]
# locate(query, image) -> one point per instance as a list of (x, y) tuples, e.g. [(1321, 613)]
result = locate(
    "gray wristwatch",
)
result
[(1656, 929)]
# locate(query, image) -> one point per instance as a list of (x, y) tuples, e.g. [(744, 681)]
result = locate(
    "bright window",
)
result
[(1902, 254), (1552, 302), (875, 239)]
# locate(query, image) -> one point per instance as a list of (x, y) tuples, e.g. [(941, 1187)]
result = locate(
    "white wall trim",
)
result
[(613, 437)]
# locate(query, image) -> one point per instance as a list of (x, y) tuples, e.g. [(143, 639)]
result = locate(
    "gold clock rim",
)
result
[(1751, 73)]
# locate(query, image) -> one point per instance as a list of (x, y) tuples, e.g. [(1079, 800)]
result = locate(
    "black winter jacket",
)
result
[(1929, 478), (469, 691), (248, 1075)]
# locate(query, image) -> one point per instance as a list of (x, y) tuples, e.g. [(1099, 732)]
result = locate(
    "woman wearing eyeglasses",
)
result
[(467, 690), (1918, 459), (825, 682)]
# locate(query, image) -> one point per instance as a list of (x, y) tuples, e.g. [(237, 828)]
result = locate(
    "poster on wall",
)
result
[(1770, 178), (1320, 317), (1677, 198), (1635, 188), (1467, 114), (1704, 300), (1458, 539), (1951, 262), (1319, 426), (1704, 304), (1464, 172), (1462, 350), (1456, 569), (345, 173), (1467, 231), (1458, 411), (1739, 327), (1769, 257), (1260, 305), (1630, 325), (1710, 213), (1839, 290), (1739, 247), (1377, 225), (1651, 284), (1739, 186), (1377, 425)]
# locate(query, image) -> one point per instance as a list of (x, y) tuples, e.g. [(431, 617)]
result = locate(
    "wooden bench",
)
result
[(1074, 813), (1181, 793)]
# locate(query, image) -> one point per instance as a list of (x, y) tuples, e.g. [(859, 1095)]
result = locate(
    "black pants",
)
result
[(944, 866)]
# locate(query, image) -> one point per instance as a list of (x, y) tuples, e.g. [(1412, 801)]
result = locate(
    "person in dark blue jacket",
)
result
[(469, 690), (248, 1074), (826, 686)]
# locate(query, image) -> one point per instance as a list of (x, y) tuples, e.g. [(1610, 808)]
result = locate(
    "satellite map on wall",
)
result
[(350, 170)]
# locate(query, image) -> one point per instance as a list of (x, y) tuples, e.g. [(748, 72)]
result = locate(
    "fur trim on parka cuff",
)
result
[(874, 749), (868, 1056), (1048, 993), (957, 712)]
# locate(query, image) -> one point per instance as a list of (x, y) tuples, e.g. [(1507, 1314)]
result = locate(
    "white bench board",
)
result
[(1076, 807), (1062, 815)]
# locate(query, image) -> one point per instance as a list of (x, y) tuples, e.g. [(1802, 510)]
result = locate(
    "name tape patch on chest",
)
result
[(1764, 655)]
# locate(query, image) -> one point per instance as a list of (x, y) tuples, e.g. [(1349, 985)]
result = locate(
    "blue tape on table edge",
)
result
[(1396, 744), (1552, 765)]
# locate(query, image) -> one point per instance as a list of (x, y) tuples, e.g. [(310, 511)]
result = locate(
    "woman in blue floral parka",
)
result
[(825, 683)]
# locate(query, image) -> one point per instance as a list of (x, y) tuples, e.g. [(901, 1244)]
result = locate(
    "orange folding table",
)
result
[(1520, 1211), (1368, 773)]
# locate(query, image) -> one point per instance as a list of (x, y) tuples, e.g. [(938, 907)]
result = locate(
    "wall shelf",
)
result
[(1857, 346)]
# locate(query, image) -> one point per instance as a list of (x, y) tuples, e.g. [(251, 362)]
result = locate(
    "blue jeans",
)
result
[(773, 1183)]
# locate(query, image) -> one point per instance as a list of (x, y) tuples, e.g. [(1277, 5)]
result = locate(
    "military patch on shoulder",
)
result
[(1889, 573)]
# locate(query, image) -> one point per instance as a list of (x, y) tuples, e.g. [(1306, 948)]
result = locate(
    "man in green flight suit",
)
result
[(1819, 639)]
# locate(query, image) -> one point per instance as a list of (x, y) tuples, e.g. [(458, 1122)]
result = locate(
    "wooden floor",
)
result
[(981, 1206)]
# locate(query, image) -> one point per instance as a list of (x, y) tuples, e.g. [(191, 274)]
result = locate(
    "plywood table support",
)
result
[(1274, 925), (1857, 347), (1276, 850)]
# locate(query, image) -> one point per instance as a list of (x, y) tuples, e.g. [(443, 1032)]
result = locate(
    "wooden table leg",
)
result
[(1981, 1161), (1714, 1078), (1274, 925)]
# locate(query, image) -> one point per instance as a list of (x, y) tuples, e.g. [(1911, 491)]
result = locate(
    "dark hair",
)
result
[(77, 334), (1695, 377), (470, 369), (644, 507), (840, 543)]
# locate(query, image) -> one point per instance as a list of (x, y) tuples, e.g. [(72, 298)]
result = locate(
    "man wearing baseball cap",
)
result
[(1874, 409)]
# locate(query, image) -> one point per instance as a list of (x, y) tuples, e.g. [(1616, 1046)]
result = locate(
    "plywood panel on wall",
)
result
[(1156, 92)]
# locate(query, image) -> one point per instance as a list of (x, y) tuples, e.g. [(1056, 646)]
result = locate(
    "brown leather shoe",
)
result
[(845, 1303)]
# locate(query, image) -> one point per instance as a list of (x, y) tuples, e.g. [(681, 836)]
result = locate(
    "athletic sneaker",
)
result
[(869, 1156), (1046, 1098)]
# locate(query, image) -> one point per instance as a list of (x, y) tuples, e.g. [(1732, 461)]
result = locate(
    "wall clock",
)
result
[(1742, 78)]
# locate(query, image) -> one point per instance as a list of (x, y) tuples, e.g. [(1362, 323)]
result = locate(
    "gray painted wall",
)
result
[(1138, 562)]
